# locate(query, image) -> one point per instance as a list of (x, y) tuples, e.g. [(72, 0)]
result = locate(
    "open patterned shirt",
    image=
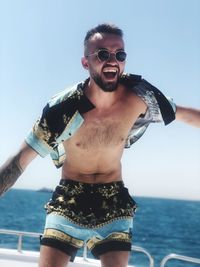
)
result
[(62, 116)]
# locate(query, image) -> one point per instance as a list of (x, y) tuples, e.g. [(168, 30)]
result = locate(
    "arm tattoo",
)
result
[(9, 173)]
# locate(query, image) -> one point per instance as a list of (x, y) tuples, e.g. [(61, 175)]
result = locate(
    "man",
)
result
[(85, 130)]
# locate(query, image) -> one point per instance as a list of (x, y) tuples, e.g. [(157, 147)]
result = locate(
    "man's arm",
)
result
[(188, 115), (14, 167)]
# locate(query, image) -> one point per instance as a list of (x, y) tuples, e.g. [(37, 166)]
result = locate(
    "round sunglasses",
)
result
[(104, 55)]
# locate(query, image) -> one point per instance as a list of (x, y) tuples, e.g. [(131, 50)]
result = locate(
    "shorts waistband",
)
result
[(116, 184), (91, 205)]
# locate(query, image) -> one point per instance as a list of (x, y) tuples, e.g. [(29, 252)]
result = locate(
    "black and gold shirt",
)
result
[(62, 116)]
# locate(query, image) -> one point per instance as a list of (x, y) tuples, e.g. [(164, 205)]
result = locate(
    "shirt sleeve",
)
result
[(172, 103), (41, 138)]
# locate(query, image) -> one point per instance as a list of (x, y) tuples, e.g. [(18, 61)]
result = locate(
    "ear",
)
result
[(84, 63)]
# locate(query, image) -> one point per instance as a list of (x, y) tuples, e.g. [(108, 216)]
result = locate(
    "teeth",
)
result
[(110, 70)]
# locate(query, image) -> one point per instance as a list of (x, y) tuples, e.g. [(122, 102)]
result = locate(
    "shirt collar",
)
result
[(84, 104)]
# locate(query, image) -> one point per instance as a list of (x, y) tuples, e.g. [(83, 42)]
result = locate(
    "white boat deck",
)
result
[(13, 258)]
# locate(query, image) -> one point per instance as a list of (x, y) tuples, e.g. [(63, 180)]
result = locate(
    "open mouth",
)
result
[(110, 73)]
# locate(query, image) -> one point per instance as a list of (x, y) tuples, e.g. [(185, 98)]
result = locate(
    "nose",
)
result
[(112, 58)]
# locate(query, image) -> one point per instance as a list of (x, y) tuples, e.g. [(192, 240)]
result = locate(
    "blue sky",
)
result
[(40, 51)]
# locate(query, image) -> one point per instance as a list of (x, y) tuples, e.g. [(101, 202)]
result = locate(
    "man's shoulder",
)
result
[(64, 95), (138, 84), (66, 103), (130, 80), (156, 101)]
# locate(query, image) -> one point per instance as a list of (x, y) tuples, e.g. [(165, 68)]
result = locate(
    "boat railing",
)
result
[(21, 234), (173, 256), (144, 251)]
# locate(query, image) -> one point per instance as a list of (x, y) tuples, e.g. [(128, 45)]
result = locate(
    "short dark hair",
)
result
[(102, 28)]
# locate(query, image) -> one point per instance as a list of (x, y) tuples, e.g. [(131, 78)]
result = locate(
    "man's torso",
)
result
[(94, 151)]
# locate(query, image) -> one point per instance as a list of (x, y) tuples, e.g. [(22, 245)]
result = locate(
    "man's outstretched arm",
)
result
[(188, 115), (14, 167)]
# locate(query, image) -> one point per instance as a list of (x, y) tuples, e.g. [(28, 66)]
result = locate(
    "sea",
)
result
[(161, 226)]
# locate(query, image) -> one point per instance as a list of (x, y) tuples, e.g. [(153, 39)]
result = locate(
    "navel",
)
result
[(78, 144)]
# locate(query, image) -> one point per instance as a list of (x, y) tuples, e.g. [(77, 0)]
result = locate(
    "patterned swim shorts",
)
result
[(100, 215)]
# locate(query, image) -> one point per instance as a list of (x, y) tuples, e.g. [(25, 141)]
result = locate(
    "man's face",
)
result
[(105, 73)]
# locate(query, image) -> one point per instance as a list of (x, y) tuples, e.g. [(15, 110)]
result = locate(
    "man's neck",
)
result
[(100, 98)]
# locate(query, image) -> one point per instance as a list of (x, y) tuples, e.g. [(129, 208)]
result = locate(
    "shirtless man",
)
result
[(85, 130)]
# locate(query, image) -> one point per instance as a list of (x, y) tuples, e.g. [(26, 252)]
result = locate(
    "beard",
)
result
[(105, 86)]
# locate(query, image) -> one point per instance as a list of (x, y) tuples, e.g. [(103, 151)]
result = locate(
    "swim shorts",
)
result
[(100, 215)]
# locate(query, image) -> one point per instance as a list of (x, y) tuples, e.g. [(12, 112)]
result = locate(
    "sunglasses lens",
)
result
[(121, 56), (103, 55)]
